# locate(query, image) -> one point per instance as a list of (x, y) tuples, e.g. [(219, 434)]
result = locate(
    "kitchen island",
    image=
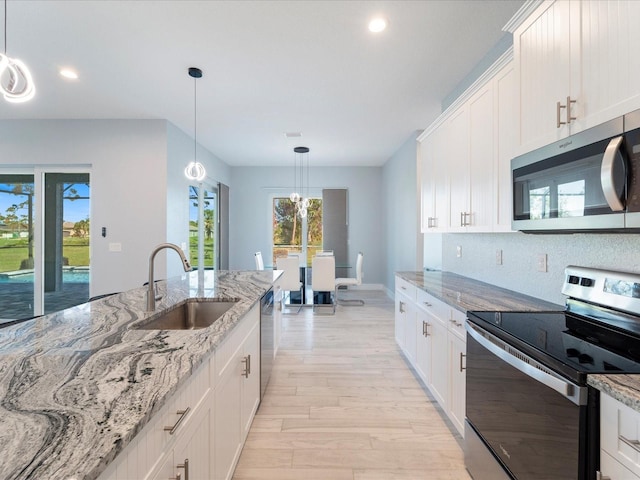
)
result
[(78, 385)]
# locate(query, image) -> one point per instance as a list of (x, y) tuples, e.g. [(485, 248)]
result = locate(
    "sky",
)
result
[(73, 210)]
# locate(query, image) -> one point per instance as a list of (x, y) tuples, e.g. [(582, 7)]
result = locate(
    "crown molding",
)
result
[(521, 15)]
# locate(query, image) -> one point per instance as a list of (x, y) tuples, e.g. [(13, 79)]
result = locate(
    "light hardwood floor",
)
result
[(342, 404)]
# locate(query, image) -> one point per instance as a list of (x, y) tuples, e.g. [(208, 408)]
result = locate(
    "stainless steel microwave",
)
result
[(586, 182)]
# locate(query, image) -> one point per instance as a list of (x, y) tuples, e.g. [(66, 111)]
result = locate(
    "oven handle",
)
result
[(606, 174), (568, 390)]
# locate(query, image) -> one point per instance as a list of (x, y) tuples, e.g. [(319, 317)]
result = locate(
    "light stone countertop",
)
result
[(466, 294), (77, 385)]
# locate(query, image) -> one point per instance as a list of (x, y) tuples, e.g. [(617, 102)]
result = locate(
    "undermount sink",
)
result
[(191, 315)]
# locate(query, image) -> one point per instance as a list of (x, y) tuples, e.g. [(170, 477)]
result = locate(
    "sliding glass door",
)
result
[(203, 227), (44, 242), (293, 234)]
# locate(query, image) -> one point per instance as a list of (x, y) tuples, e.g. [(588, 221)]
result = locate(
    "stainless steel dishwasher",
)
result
[(266, 339)]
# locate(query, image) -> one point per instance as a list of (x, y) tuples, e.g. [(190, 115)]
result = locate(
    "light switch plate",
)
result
[(498, 257), (115, 247), (459, 251), (541, 262)]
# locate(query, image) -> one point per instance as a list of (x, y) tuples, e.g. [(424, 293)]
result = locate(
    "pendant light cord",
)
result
[(195, 122), (5, 28)]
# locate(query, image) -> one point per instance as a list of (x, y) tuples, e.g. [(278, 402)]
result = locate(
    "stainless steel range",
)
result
[(530, 414)]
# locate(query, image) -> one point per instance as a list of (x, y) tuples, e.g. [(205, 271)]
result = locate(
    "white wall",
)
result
[(518, 271), (138, 189), (400, 194), (250, 215)]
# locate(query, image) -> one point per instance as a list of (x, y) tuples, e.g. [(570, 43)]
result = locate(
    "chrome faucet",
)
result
[(151, 293)]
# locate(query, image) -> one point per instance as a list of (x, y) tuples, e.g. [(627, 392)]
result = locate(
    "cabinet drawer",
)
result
[(620, 432), (613, 470), (406, 288), (457, 321), (432, 305)]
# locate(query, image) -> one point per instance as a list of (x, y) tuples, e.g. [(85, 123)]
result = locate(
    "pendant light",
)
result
[(16, 83), (302, 202), (195, 170)]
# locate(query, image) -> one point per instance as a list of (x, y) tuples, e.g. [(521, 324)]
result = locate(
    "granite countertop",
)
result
[(77, 385), (466, 294)]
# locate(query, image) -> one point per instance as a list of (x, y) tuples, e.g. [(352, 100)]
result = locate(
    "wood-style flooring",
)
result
[(342, 404)]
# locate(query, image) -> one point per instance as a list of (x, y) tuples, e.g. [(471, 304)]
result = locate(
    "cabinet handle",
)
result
[(462, 356), (558, 121), (635, 444), (427, 304), (177, 477), (600, 476), (185, 465), (403, 288), (183, 414), (246, 361), (569, 117), (432, 222), (248, 368), (463, 219), (401, 307), (425, 329)]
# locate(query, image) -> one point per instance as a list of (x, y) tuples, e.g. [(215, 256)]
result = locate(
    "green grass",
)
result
[(14, 251)]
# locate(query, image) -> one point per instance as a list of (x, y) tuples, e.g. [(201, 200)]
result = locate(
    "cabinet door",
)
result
[(482, 201), (542, 51), (250, 379), (439, 361), (506, 125), (427, 198), (410, 332), (194, 451), (401, 306), (457, 163), (609, 70), (457, 382), (227, 435), (423, 346)]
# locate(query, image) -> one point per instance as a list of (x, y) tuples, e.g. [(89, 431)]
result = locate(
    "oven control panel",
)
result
[(618, 290)]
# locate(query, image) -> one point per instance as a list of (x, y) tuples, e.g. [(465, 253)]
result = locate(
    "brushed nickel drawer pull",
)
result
[(177, 477), (248, 368), (558, 122), (245, 374), (185, 465), (635, 444), (462, 356), (425, 329), (569, 117), (401, 307), (183, 414), (600, 476), (427, 304)]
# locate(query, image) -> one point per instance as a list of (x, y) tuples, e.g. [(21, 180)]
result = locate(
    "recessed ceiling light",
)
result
[(293, 134), (378, 24), (68, 73)]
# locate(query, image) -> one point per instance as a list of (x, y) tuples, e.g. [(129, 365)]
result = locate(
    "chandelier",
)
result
[(301, 202), (16, 83), (195, 170)]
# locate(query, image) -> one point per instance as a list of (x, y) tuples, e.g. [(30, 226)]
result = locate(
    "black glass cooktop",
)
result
[(581, 340)]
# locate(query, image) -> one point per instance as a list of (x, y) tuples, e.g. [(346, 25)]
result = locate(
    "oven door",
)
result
[(530, 419)]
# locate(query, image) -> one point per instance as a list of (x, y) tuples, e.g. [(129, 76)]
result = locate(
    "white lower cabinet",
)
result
[(619, 440), (439, 337), (199, 433)]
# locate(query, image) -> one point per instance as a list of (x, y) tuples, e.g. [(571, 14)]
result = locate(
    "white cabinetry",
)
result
[(405, 333), (619, 440), (465, 158), (203, 426), (440, 347), (576, 67), (237, 393)]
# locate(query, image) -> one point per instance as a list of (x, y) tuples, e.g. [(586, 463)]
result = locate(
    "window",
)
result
[(293, 234), (202, 241)]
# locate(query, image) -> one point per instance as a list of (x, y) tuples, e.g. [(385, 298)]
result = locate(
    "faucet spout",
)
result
[(151, 292)]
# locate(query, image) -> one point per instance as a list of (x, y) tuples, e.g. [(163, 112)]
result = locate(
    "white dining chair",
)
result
[(322, 253), (350, 281), (259, 261), (323, 277), (289, 281)]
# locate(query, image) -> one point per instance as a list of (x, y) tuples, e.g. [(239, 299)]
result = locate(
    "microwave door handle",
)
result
[(606, 174), (556, 384)]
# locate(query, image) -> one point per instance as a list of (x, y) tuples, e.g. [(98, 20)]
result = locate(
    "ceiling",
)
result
[(269, 67)]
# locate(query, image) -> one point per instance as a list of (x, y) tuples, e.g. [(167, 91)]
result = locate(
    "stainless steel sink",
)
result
[(191, 315)]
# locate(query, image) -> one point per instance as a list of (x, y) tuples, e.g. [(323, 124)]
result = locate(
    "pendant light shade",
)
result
[(16, 83), (302, 202), (195, 170)]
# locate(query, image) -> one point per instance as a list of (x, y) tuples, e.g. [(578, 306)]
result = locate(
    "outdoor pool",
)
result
[(68, 276)]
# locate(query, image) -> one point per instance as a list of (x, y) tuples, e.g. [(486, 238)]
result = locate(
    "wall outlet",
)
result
[(541, 262), (458, 251), (498, 257), (115, 247)]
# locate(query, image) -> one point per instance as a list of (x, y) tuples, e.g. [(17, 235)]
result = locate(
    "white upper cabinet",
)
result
[(466, 154), (544, 52), (577, 67)]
